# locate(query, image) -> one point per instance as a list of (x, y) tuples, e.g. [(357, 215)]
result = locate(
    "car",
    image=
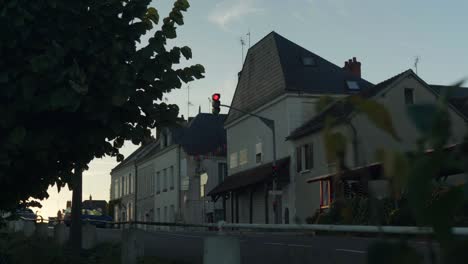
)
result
[(26, 213), (92, 216)]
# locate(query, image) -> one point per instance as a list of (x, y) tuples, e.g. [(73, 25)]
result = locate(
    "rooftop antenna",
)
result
[(188, 101), (248, 35), (242, 42), (416, 62)]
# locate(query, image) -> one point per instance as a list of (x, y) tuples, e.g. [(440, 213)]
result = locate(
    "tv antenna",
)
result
[(416, 62), (242, 42), (248, 36)]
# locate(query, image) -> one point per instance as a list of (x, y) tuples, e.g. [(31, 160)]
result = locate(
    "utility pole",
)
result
[(271, 125)]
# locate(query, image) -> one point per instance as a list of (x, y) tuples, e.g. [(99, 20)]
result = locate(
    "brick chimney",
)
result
[(353, 66)]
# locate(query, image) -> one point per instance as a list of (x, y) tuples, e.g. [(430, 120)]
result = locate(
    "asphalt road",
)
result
[(255, 248)]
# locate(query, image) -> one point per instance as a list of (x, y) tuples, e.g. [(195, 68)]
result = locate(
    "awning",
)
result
[(374, 171), (253, 176)]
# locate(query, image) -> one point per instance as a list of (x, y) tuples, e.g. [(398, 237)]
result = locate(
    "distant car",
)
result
[(26, 213), (92, 216)]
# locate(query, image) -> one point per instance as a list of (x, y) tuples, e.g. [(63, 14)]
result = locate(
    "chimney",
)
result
[(353, 66)]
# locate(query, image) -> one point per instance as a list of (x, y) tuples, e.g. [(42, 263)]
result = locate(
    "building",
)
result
[(283, 82), (365, 139), (122, 189), (174, 171)]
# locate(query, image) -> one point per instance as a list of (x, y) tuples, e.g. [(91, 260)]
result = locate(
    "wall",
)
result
[(127, 198)]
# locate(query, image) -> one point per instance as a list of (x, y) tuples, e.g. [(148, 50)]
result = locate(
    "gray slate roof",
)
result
[(340, 109), (274, 66)]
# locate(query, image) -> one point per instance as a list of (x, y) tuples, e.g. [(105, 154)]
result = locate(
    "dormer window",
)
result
[(352, 85), (308, 61)]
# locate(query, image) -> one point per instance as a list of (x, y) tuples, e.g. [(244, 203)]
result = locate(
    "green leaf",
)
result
[(186, 52), (153, 15), (182, 5)]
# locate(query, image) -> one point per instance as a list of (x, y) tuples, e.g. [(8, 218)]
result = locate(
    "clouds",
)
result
[(229, 11)]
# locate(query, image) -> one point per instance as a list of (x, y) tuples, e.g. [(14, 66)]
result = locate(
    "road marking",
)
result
[(296, 245), (350, 250), (275, 244), (177, 235)]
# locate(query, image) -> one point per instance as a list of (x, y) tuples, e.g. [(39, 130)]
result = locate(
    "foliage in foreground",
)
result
[(14, 246), (419, 195)]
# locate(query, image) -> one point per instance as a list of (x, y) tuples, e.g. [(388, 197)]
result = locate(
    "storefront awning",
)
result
[(257, 175)]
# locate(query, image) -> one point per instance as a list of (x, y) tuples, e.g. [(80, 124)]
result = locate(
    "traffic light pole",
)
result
[(271, 125)]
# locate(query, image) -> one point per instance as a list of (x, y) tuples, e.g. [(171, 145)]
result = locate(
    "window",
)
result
[(308, 61), (352, 85), (305, 157), (158, 182), (165, 214), (171, 175), (309, 156), (298, 159), (325, 194), (164, 180), (222, 172), (152, 183), (233, 160), (116, 188), (172, 214), (130, 183), (243, 157), (258, 153), (122, 182), (409, 96), (203, 181), (158, 215)]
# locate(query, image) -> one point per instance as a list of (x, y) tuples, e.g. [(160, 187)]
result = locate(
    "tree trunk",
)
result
[(75, 230)]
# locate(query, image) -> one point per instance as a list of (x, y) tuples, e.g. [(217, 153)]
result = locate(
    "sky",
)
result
[(386, 36)]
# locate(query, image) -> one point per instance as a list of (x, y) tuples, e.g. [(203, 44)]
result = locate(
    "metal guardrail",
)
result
[(403, 230), (222, 226)]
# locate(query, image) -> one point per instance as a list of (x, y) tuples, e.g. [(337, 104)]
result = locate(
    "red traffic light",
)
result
[(216, 97)]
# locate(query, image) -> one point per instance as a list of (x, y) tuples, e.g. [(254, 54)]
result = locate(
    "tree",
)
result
[(74, 86)]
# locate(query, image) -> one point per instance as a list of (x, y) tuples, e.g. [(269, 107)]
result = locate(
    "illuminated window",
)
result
[(203, 181), (233, 160), (325, 194), (243, 157)]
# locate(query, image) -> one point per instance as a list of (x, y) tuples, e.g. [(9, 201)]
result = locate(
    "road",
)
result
[(255, 247)]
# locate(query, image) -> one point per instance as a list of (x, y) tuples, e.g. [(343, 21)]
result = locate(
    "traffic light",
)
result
[(215, 103)]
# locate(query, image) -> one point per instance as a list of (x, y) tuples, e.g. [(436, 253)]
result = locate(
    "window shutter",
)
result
[(298, 159), (306, 157)]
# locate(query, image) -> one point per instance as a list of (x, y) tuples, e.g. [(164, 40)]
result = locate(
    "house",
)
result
[(122, 196), (365, 139), (175, 170), (281, 81)]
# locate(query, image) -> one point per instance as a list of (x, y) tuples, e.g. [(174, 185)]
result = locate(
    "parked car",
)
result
[(92, 216), (26, 213)]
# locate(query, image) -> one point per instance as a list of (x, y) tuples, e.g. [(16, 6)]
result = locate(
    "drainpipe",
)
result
[(135, 182)]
